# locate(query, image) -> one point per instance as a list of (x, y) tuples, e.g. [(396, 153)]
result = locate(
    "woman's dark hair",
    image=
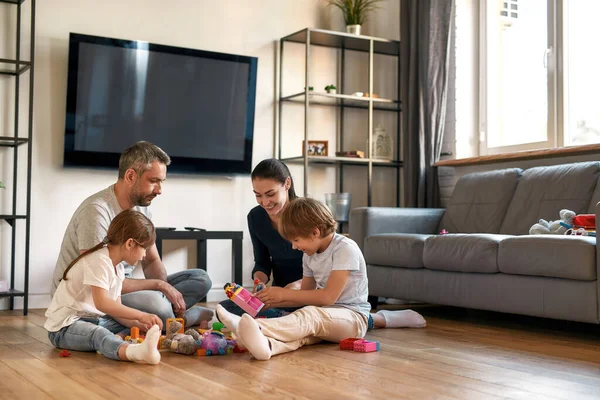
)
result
[(272, 168), (128, 224)]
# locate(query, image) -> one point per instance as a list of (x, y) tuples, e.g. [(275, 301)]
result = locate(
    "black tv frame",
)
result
[(77, 158)]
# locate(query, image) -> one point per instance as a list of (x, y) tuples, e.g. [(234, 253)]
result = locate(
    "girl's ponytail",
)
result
[(85, 253)]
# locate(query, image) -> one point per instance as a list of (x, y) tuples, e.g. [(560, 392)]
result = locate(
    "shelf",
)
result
[(12, 1), (321, 37), (345, 100), (11, 141), (8, 217), (14, 68), (343, 161), (12, 293)]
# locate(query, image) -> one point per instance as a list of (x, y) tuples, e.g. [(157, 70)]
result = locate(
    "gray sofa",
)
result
[(488, 260)]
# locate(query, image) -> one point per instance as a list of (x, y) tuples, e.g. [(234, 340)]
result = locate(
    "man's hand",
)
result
[(271, 295), (175, 297)]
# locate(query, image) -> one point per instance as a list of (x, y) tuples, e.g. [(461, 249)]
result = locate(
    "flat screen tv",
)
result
[(197, 105)]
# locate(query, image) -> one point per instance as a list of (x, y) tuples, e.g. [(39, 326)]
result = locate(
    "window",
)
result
[(538, 83)]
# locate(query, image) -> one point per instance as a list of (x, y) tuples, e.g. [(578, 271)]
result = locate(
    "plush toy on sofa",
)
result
[(544, 227)]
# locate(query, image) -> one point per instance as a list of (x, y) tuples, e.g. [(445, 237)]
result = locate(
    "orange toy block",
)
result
[(134, 332)]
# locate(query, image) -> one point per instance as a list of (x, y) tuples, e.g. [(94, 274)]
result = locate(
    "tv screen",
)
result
[(196, 105)]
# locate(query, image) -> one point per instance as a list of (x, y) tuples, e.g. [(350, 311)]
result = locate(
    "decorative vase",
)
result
[(339, 204), (331, 91), (353, 29)]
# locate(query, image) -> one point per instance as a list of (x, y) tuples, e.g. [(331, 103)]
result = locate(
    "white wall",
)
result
[(215, 203)]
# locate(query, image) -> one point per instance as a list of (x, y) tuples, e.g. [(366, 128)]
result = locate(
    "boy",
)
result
[(334, 288)]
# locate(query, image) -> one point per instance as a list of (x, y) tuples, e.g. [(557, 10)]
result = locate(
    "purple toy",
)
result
[(215, 344)]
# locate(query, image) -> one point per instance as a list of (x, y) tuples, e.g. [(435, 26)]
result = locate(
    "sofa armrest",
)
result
[(366, 221)]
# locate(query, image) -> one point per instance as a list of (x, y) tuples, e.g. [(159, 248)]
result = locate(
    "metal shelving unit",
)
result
[(15, 68), (344, 42)]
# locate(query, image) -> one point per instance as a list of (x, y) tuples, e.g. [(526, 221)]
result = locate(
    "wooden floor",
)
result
[(460, 355)]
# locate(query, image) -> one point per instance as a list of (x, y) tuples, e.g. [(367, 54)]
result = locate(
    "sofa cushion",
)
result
[(543, 191), (462, 252), (395, 250), (479, 201), (554, 256), (595, 199)]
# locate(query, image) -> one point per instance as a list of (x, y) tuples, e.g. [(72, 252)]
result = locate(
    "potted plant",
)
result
[(331, 89), (355, 12)]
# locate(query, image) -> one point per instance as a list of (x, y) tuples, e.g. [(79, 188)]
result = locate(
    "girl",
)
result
[(334, 289), (91, 287)]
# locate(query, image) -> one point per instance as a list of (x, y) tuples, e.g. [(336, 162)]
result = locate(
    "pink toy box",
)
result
[(243, 298)]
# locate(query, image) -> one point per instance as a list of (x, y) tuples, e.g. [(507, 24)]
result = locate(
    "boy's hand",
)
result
[(271, 295)]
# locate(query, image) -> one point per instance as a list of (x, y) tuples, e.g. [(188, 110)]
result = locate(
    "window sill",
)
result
[(521, 155)]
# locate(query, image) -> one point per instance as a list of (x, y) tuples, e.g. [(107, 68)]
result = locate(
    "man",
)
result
[(142, 170)]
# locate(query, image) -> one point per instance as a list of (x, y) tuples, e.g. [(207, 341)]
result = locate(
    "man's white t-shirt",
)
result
[(88, 227), (73, 297)]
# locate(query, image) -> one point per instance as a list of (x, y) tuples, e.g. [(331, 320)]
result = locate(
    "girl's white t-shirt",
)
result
[(73, 298)]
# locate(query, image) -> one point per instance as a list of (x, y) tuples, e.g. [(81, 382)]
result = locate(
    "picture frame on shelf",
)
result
[(316, 148)]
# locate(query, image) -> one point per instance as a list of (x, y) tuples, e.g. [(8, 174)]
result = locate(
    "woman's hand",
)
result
[(148, 320), (294, 285), (271, 296)]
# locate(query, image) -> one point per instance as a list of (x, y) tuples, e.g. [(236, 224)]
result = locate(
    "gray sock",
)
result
[(195, 315)]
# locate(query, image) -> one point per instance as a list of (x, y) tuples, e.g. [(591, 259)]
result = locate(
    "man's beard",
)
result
[(138, 199)]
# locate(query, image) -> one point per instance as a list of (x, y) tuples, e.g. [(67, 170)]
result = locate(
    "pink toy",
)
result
[(365, 346), (243, 299), (444, 232), (359, 345)]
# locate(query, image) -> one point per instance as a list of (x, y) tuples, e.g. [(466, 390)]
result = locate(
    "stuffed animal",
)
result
[(215, 343), (184, 343), (544, 227)]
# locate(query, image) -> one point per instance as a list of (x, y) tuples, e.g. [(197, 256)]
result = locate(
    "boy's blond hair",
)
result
[(302, 216)]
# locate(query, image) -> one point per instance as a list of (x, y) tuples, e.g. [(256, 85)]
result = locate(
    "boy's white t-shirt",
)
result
[(341, 254), (73, 298)]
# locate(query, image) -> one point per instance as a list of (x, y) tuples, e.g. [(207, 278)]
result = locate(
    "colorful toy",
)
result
[(258, 285), (243, 298), (217, 326), (359, 345), (215, 343), (444, 232)]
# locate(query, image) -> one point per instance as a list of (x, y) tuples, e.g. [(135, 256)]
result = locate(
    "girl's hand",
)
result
[(271, 295), (148, 320)]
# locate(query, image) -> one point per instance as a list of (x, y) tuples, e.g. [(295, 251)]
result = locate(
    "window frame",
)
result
[(555, 83)]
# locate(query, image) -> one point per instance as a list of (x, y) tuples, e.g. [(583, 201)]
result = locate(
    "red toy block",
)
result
[(64, 353), (366, 346), (348, 344)]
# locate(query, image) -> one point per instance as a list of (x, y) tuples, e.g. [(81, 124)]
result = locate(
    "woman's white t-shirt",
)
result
[(73, 298)]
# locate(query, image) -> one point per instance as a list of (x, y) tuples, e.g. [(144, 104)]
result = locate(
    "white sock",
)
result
[(250, 334), (402, 319), (228, 319), (145, 352), (195, 315)]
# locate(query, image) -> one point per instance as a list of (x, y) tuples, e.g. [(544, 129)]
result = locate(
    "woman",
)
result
[(273, 187)]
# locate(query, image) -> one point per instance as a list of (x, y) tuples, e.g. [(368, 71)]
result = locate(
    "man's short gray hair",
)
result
[(140, 157)]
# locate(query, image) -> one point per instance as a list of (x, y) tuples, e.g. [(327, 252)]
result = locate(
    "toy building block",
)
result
[(348, 344), (366, 346), (217, 326), (169, 320), (134, 333), (243, 298)]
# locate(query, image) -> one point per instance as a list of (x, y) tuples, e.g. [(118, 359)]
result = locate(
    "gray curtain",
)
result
[(424, 57)]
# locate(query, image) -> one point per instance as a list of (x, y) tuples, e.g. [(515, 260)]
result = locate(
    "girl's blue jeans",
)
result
[(90, 335)]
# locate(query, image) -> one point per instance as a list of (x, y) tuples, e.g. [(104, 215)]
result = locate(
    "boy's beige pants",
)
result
[(310, 325)]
